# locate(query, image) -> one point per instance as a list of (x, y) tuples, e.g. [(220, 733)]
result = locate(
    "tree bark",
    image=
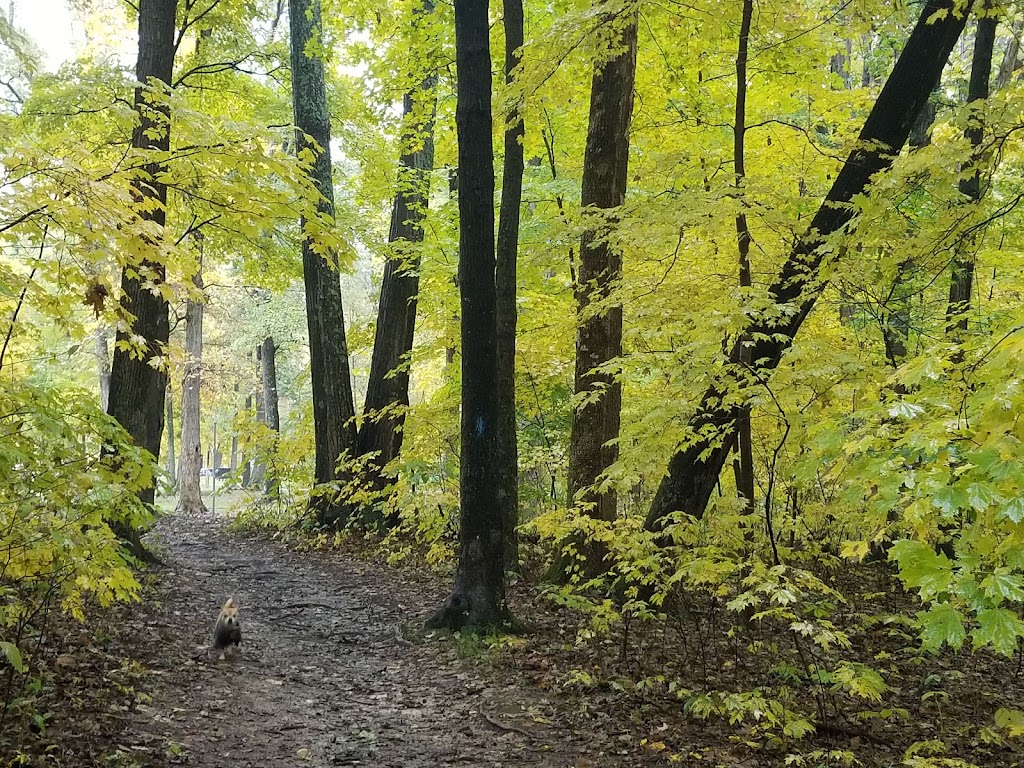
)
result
[(137, 388), (745, 444), (962, 270), (103, 365), (271, 415), (691, 477), (387, 391), (190, 493), (247, 469), (477, 600), (172, 474), (333, 410), (595, 424), (506, 466)]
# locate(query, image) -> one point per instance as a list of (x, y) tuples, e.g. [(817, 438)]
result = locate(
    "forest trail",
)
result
[(325, 677)]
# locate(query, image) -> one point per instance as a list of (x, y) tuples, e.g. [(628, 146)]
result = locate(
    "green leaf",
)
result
[(941, 624), (13, 656), (1000, 628)]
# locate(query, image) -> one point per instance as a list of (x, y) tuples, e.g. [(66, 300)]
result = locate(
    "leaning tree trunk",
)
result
[(334, 427), (271, 414), (137, 386), (595, 425), (477, 600), (506, 459), (387, 391), (693, 472), (962, 278), (190, 494)]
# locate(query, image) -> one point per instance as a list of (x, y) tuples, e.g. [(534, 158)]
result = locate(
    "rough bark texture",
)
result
[(599, 336), (962, 277), (271, 414), (690, 480), (137, 389), (387, 391), (477, 600), (745, 445), (190, 494), (333, 411), (506, 460)]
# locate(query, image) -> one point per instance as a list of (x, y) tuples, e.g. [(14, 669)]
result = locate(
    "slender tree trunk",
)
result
[(271, 415), (595, 425), (506, 467), (694, 471), (333, 410), (387, 391), (259, 466), (477, 600), (136, 386), (962, 276), (172, 475), (103, 365), (745, 445), (247, 470), (190, 493)]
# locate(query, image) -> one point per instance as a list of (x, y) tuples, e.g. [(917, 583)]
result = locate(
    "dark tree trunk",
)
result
[(247, 469), (271, 414), (745, 443), (172, 474), (333, 411), (599, 338), (137, 388), (103, 365), (259, 466), (691, 478), (962, 277), (190, 493), (477, 600), (387, 391), (506, 460), (595, 425)]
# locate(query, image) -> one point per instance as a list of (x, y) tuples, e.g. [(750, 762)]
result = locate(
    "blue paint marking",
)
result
[(480, 426)]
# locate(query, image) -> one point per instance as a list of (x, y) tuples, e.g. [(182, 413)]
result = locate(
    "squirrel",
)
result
[(228, 630)]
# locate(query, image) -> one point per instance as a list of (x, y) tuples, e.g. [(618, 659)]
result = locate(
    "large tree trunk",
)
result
[(334, 424), (271, 414), (595, 425), (693, 472), (387, 391), (136, 386), (506, 459), (962, 277), (477, 600), (190, 494)]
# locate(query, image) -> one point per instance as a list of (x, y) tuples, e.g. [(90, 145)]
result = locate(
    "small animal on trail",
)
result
[(228, 630)]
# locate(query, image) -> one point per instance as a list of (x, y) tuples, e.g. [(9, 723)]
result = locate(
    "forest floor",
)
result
[(336, 671), (326, 676)]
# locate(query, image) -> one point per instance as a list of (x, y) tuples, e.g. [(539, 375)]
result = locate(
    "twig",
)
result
[(503, 727)]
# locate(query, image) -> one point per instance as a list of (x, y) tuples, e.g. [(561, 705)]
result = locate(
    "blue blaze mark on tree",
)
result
[(480, 424)]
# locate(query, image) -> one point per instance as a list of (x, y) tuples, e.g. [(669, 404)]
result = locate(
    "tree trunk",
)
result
[(506, 462), (962, 276), (692, 477), (595, 425), (190, 494), (745, 444), (137, 388), (247, 469), (259, 466), (387, 391), (334, 424), (477, 600), (271, 415), (103, 365), (172, 475)]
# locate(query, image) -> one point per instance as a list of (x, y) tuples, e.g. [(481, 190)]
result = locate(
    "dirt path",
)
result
[(326, 677)]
